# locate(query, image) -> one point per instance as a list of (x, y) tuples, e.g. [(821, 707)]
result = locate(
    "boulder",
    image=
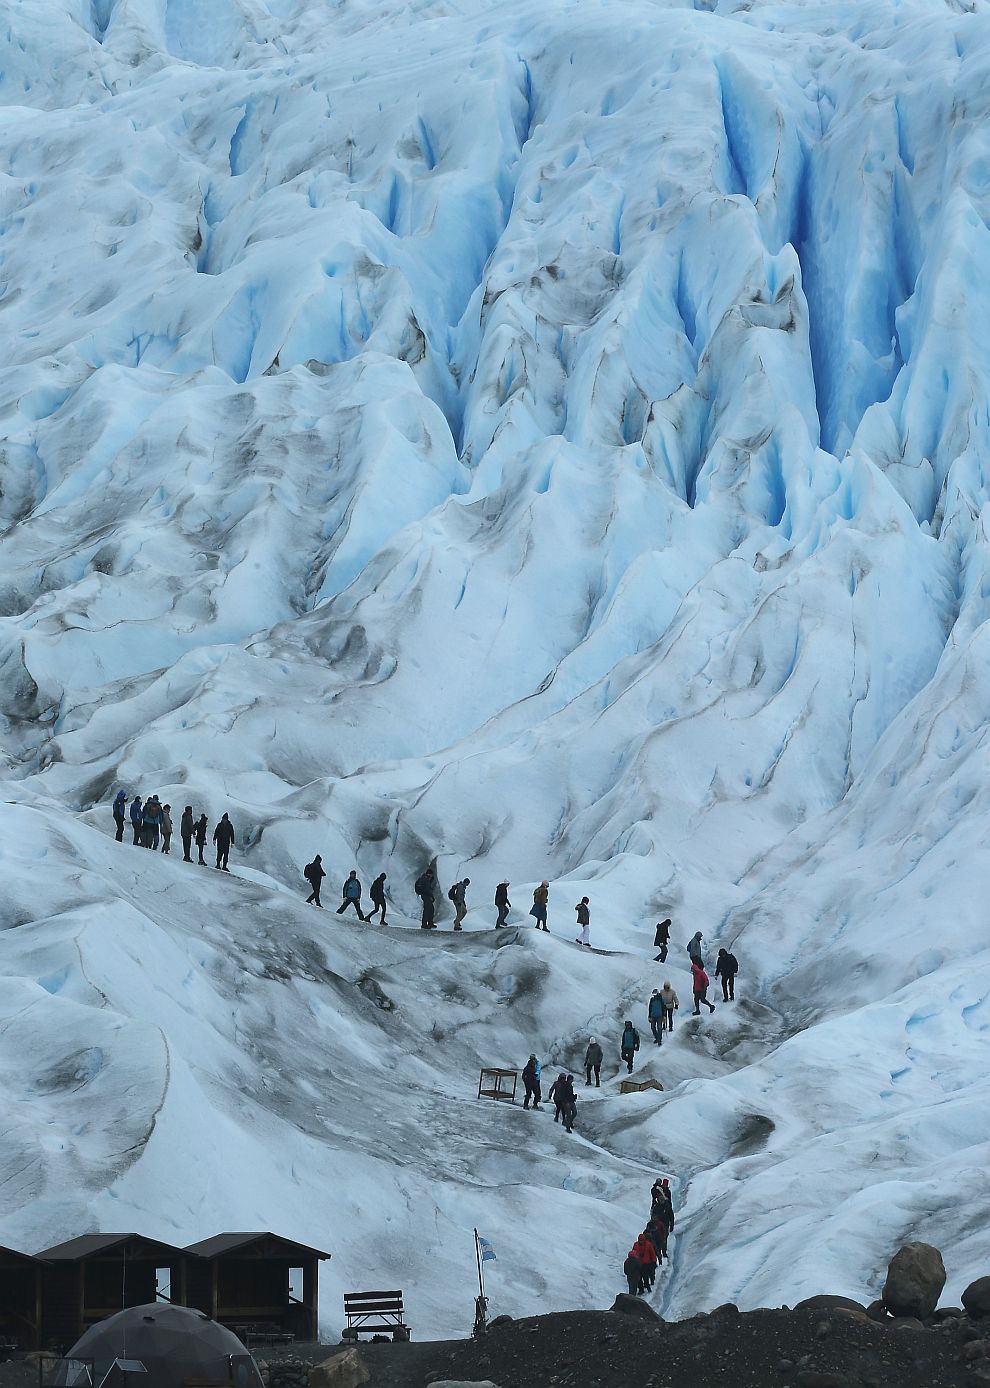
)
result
[(876, 1311), (829, 1303), (976, 1298), (915, 1278), (628, 1305), (344, 1370)]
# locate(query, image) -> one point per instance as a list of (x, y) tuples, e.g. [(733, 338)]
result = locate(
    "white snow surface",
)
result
[(553, 437)]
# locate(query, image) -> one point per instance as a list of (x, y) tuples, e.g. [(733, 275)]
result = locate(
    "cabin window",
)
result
[(296, 1284), (163, 1284)]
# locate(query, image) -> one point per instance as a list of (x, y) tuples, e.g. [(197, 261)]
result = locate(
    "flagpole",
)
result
[(477, 1254)]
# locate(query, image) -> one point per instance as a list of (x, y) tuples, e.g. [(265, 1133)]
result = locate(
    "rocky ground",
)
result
[(825, 1347)]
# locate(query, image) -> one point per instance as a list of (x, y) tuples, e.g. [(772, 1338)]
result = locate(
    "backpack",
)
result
[(420, 885), (452, 892), (308, 871)]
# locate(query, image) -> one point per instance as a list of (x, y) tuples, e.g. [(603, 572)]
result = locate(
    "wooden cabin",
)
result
[(251, 1282), (20, 1299), (92, 1277)]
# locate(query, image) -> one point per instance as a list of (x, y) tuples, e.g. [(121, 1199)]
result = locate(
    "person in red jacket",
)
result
[(646, 1255), (699, 986)]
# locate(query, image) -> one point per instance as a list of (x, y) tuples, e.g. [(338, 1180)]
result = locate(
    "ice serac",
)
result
[(552, 440)]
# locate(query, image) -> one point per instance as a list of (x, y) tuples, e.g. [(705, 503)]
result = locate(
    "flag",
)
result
[(487, 1252)]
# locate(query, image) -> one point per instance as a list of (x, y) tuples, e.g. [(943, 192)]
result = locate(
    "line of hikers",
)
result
[(152, 825), (426, 888), (650, 1249)]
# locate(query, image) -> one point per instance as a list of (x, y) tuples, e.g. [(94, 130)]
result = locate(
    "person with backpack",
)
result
[(699, 986), (556, 1095), (223, 837), (314, 875), (654, 1011), (351, 895), (694, 947), (458, 897), (531, 1081), (120, 813), (593, 1061), (137, 818), (424, 888), (201, 827), (377, 893), (187, 827), (629, 1045), (661, 940), (657, 1235), (166, 828), (151, 822), (670, 1004), (726, 968), (662, 1207), (569, 1108), (502, 904), (584, 921), (631, 1270), (541, 901)]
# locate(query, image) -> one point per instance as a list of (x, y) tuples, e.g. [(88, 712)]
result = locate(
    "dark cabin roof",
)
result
[(222, 1244), (91, 1245), (14, 1255)]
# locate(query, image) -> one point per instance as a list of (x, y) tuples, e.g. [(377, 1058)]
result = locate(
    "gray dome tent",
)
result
[(175, 1345)]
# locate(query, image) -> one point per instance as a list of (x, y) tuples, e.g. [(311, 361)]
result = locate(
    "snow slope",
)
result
[(548, 438)]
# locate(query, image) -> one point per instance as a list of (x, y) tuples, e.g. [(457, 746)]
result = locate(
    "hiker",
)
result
[(648, 1258), (726, 968), (136, 818), (223, 837), (541, 899), (661, 940), (166, 828), (457, 896), (187, 827), (631, 1269), (151, 822), (584, 921), (657, 1235), (531, 1079), (120, 812), (556, 1093), (654, 1011), (503, 904), (424, 888), (377, 893), (699, 986), (351, 895), (200, 832), (670, 1004), (570, 1103), (694, 947), (629, 1045), (593, 1061), (662, 1208), (314, 875)]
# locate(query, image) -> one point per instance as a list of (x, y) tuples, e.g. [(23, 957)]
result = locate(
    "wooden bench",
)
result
[(374, 1313)]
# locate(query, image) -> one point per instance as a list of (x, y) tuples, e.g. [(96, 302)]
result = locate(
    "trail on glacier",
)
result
[(550, 442)]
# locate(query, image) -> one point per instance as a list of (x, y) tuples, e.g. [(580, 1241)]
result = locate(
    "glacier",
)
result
[(549, 439)]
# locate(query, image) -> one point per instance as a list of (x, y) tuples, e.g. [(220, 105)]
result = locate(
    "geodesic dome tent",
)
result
[(175, 1346)]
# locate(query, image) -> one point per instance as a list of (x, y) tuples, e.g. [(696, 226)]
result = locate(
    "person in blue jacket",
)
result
[(654, 1011), (137, 818), (120, 812), (351, 895)]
